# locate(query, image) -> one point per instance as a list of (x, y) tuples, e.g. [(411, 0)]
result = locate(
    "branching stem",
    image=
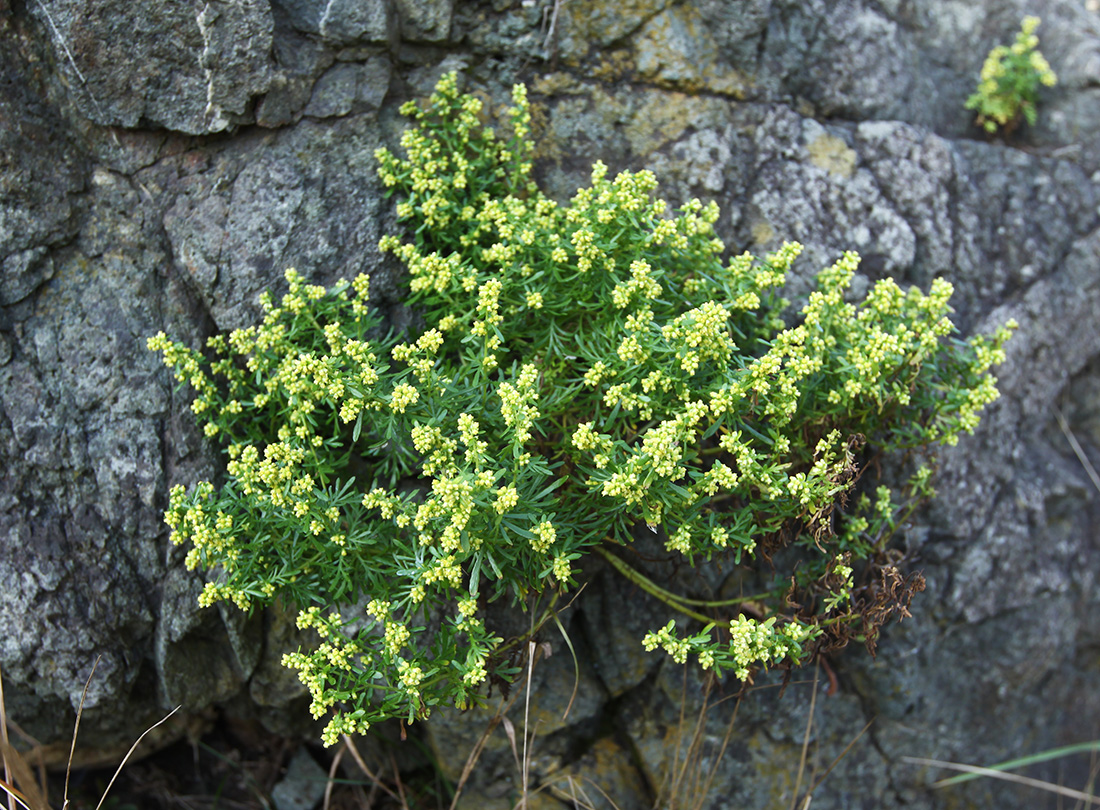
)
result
[(674, 601)]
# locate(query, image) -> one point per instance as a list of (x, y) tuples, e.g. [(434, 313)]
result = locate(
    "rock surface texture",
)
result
[(162, 163)]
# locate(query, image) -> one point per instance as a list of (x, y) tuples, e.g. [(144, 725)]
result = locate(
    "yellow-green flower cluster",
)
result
[(819, 486), (517, 403), (700, 335), (543, 536), (1008, 86), (335, 657), (506, 499), (403, 396), (421, 355), (475, 670), (640, 287), (751, 643)]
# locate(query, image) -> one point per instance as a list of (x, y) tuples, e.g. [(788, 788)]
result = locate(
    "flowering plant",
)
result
[(582, 370), (1009, 85)]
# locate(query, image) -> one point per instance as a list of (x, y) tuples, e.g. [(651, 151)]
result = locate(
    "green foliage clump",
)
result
[(583, 371), (1008, 88)]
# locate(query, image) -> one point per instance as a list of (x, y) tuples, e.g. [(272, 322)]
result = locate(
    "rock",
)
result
[(587, 24), (425, 20), (542, 711), (233, 230), (193, 68), (42, 175), (301, 59), (606, 766), (343, 22), (135, 196), (24, 272), (867, 66), (675, 49), (350, 88), (203, 656), (303, 785)]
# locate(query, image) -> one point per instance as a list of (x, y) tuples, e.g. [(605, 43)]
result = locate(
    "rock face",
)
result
[(163, 163), (190, 67)]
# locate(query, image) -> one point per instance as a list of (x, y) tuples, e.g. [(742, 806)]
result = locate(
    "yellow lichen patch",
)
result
[(663, 118), (587, 25), (547, 146), (556, 84), (614, 66), (833, 155), (675, 50), (762, 232), (649, 120)]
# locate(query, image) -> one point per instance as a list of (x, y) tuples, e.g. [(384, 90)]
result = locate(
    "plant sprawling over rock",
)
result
[(584, 370)]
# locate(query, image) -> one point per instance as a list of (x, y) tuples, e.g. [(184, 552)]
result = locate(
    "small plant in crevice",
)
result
[(584, 369), (1008, 89)]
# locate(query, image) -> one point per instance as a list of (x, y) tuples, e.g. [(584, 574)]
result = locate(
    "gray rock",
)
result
[(350, 88), (425, 20), (202, 657), (343, 22), (582, 27), (301, 60), (42, 175), (840, 125), (233, 243), (303, 785), (189, 67), (24, 272)]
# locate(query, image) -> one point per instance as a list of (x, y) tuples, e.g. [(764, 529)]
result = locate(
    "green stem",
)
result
[(655, 590), (751, 602), (904, 516), (841, 619)]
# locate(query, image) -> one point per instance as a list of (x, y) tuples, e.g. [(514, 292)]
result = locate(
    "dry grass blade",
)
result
[(1077, 449), (510, 733), (584, 801), (133, 748), (375, 781), (472, 758), (834, 763), (36, 748), (4, 739), (479, 746), (397, 781), (576, 666), (722, 751), (23, 776), (1030, 759), (806, 741), (14, 795), (695, 747), (1081, 796), (532, 651), (16, 770), (76, 730), (675, 773), (685, 783), (332, 776), (573, 792)]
